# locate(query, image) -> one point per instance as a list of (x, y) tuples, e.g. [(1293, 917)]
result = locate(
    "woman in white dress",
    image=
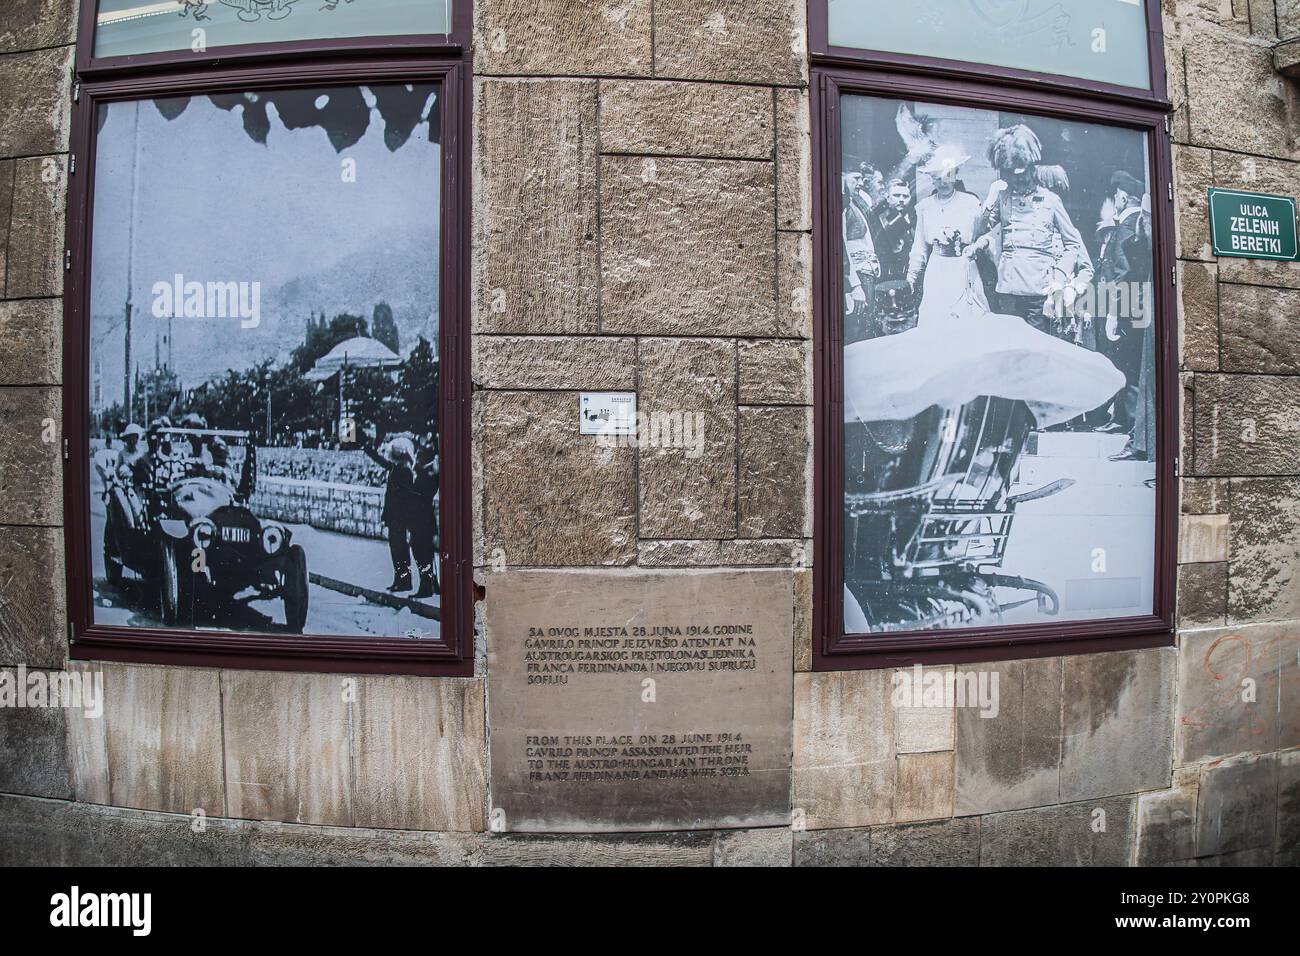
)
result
[(945, 226)]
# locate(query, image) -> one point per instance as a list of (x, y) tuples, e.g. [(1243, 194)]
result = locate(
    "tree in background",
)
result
[(156, 392), (384, 328), (417, 392), (323, 337), (278, 406)]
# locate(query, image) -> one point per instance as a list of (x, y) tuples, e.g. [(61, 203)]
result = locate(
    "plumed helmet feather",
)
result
[(1015, 147)]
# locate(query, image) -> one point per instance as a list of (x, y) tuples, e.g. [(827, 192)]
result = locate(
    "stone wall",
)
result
[(316, 464), (642, 221), (350, 509), (335, 490), (642, 209), (34, 101)]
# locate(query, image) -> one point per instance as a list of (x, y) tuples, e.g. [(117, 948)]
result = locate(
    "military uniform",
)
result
[(137, 467), (892, 233), (135, 474), (861, 267), (1125, 259), (1035, 246)]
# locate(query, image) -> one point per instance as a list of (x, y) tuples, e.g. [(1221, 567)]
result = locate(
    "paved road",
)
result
[(328, 613)]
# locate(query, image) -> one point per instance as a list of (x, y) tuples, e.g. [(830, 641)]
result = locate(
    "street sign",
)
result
[(1253, 225)]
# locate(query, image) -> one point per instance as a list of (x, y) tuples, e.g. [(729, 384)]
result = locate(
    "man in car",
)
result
[(216, 464), (134, 472), (105, 461), (134, 462)]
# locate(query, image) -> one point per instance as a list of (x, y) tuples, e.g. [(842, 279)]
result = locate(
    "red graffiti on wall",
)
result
[(1230, 662)]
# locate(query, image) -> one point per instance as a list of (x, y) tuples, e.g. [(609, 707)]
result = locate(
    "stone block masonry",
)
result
[(643, 212), (348, 509)]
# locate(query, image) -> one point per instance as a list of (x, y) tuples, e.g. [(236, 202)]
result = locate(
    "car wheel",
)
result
[(295, 589), (173, 585)]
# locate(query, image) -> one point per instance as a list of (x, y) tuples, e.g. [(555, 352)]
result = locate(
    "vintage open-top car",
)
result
[(187, 529)]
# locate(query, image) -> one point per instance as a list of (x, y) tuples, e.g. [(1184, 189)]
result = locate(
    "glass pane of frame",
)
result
[(264, 368), (1105, 41), (999, 368), (135, 27)]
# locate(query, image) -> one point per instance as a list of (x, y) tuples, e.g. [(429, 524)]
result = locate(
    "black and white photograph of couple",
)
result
[(999, 368)]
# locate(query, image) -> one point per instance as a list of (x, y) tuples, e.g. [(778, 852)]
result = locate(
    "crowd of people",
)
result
[(1028, 259), (149, 459)]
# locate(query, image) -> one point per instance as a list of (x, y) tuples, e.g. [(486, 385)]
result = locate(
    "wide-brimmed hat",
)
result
[(401, 447), (946, 159), (132, 429)]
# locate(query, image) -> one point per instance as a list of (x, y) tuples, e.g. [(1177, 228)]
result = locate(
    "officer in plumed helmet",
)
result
[(1025, 229)]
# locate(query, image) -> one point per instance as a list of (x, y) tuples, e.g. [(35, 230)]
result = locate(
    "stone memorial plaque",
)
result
[(639, 700)]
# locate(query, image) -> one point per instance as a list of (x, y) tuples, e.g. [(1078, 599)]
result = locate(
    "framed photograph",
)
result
[(996, 398), (268, 464)]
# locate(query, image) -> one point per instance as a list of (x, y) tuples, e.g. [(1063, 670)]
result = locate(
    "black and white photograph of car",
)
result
[(265, 363)]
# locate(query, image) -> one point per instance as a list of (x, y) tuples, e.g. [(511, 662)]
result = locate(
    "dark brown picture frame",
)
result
[(833, 649), (296, 65)]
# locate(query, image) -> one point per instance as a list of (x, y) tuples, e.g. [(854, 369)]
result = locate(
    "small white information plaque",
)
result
[(607, 413)]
